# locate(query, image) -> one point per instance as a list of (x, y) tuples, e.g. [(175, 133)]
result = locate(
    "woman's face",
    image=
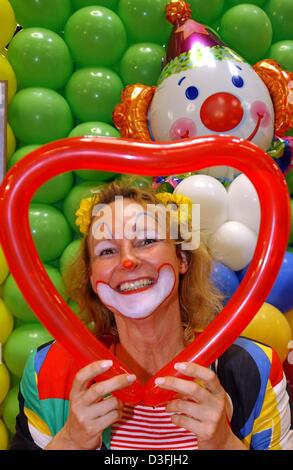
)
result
[(134, 266)]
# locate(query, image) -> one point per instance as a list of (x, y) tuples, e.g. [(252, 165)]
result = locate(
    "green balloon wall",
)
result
[(70, 65)]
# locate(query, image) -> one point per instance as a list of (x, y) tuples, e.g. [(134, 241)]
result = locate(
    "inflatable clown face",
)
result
[(206, 88), (205, 95)]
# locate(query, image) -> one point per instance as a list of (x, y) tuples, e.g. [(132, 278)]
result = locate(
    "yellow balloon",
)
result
[(289, 318), (7, 23), (3, 436), (7, 74), (11, 143), (3, 267), (6, 322), (4, 382), (269, 326)]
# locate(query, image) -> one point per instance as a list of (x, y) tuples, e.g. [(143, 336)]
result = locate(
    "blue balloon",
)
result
[(240, 274), (225, 280), (281, 295)]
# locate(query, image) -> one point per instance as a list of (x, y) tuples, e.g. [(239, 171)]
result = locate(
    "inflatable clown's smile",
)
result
[(234, 100)]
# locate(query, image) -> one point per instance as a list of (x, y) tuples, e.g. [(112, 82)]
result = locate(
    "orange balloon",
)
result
[(131, 115), (278, 82)]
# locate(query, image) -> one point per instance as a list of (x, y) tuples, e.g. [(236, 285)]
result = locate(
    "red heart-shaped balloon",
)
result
[(150, 159)]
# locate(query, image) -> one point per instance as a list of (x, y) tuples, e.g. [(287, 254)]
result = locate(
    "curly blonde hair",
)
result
[(199, 300)]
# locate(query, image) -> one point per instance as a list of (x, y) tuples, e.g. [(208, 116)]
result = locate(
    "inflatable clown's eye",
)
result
[(237, 81), (191, 93)]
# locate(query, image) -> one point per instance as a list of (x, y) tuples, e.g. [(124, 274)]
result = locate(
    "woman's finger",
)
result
[(190, 424), (204, 374), (103, 407), (100, 389), (187, 388), (105, 421), (88, 373), (196, 411)]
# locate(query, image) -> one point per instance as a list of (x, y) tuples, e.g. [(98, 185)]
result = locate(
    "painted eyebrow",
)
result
[(181, 80), (238, 67)]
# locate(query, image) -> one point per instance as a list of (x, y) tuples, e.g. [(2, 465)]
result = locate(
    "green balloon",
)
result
[(233, 3), (282, 52), (289, 180), (206, 12), (55, 189), (142, 63), (145, 20), (72, 202), (291, 231), (40, 58), (51, 14), (39, 115), (20, 153), (77, 4), (52, 191), (280, 13), (83, 316), (96, 129), (248, 30), (11, 408), (165, 188), (14, 380), (96, 37), (21, 343), (95, 176), (15, 301), (93, 93), (138, 181), (50, 230), (69, 255)]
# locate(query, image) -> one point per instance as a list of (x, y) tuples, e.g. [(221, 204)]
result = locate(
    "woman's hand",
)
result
[(89, 412), (201, 409)]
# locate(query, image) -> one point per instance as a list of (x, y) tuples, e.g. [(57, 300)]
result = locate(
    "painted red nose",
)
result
[(128, 264), (221, 112)]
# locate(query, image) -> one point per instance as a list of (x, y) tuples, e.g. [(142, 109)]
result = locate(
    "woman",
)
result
[(148, 297)]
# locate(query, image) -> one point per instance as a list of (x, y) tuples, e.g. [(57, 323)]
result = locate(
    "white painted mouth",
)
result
[(141, 300)]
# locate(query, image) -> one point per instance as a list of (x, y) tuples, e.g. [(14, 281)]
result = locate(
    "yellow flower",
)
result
[(184, 213), (84, 214)]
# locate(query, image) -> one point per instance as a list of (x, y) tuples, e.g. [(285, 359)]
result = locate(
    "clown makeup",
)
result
[(134, 275)]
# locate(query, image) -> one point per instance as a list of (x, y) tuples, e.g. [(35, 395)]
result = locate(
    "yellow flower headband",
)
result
[(84, 212)]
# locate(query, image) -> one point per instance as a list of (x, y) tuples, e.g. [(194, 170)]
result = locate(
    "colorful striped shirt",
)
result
[(147, 427), (250, 373)]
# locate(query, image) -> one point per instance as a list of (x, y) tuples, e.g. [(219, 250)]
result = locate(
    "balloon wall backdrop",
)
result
[(67, 63)]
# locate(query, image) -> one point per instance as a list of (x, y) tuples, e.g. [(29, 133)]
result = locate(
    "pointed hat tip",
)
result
[(178, 11)]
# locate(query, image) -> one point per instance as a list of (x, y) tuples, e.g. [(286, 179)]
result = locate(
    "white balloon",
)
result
[(212, 197), (243, 203), (233, 244), (224, 173)]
